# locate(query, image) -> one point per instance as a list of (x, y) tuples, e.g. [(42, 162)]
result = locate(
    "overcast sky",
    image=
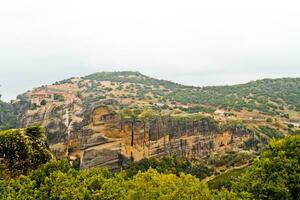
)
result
[(199, 42)]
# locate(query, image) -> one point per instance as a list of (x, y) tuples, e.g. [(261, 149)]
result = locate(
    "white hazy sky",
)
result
[(191, 42)]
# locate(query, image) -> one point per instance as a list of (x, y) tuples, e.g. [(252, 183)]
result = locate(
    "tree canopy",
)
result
[(276, 174), (22, 150)]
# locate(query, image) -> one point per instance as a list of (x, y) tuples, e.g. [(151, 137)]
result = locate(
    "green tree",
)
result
[(224, 194), (8, 117), (43, 102), (276, 174), (153, 185), (23, 149)]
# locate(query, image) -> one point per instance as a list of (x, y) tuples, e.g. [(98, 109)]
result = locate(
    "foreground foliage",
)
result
[(169, 165), (8, 118), (57, 180), (22, 150), (274, 175)]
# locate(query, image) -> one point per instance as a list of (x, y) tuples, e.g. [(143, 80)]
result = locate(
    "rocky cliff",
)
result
[(84, 121), (107, 140), (98, 136)]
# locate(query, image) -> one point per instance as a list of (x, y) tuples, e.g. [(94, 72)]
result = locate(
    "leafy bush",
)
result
[(8, 117), (230, 158), (58, 97), (57, 181), (22, 150), (43, 102), (225, 180), (276, 174), (269, 120), (170, 165), (270, 132)]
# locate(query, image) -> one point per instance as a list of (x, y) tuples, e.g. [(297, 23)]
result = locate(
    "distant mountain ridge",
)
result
[(272, 97), (266, 95)]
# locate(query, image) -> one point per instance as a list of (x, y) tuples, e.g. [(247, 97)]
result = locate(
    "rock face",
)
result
[(62, 122), (87, 128), (107, 141), (82, 121), (100, 138)]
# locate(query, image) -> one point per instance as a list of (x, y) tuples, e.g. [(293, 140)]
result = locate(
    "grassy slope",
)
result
[(282, 91), (269, 96)]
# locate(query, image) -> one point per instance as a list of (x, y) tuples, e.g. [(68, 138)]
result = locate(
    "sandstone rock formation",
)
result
[(82, 122), (106, 139)]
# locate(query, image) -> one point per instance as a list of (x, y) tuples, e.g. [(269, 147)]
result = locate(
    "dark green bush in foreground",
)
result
[(276, 174), (22, 150)]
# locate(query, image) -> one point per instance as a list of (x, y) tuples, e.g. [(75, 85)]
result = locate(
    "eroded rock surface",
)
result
[(106, 140), (88, 129)]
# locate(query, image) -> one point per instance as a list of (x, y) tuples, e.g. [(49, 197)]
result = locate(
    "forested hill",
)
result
[(266, 95), (269, 96), (132, 77)]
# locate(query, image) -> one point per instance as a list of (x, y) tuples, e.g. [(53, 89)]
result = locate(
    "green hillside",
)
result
[(268, 96), (131, 77), (283, 91), (271, 97)]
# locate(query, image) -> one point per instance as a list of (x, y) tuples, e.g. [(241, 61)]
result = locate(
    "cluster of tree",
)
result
[(8, 117), (270, 132), (170, 165), (22, 150), (267, 95), (64, 81), (131, 77), (91, 99), (293, 132), (197, 109), (57, 180), (225, 180), (230, 158), (58, 97), (274, 175)]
